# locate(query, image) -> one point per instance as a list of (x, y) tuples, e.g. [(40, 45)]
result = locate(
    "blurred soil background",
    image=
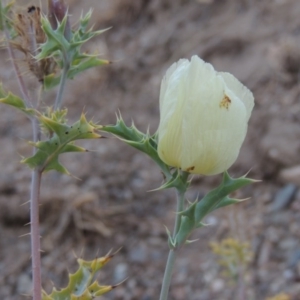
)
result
[(110, 206)]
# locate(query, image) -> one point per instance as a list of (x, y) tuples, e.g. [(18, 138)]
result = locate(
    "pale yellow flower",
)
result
[(203, 117)]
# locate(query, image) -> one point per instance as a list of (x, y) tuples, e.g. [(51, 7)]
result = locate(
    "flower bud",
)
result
[(203, 117), (57, 10)]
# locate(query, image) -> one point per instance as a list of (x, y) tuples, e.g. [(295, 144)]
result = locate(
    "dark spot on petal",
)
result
[(225, 103), (190, 169)]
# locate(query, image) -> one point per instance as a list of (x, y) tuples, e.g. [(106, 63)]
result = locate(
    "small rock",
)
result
[(284, 198), (294, 259), (94, 183), (24, 285), (291, 175), (121, 271), (218, 285), (211, 221), (288, 274), (138, 254), (288, 244)]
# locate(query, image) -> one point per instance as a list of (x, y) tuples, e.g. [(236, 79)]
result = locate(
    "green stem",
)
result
[(172, 253), (168, 275)]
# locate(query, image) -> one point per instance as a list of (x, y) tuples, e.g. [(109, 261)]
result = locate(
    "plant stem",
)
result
[(21, 83), (35, 233), (36, 176), (35, 182), (58, 100), (168, 275), (172, 253)]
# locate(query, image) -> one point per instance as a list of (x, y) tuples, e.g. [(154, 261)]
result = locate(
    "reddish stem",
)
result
[(21, 83), (35, 183)]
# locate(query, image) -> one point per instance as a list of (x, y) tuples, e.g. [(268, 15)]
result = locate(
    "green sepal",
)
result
[(14, 101), (124, 132), (192, 217), (80, 283), (138, 140), (178, 181)]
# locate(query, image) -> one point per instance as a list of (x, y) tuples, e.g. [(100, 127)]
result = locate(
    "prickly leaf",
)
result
[(80, 283)]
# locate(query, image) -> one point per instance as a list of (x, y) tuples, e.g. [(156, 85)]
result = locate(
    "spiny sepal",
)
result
[(61, 140), (136, 139), (15, 101), (192, 217), (178, 180), (122, 131), (81, 284)]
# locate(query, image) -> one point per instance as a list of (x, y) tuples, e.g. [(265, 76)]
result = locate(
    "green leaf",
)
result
[(56, 40), (67, 52), (14, 101), (62, 140), (80, 283), (85, 63), (192, 217)]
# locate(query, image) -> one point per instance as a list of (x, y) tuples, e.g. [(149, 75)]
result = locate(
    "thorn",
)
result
[(109, 255), (191, 241), (97, 253), (247, 173), (73, 176), (81, 253), (23, 235), (116, 252), (116, 285), (25, 203), (74, 253), (242, 200)]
